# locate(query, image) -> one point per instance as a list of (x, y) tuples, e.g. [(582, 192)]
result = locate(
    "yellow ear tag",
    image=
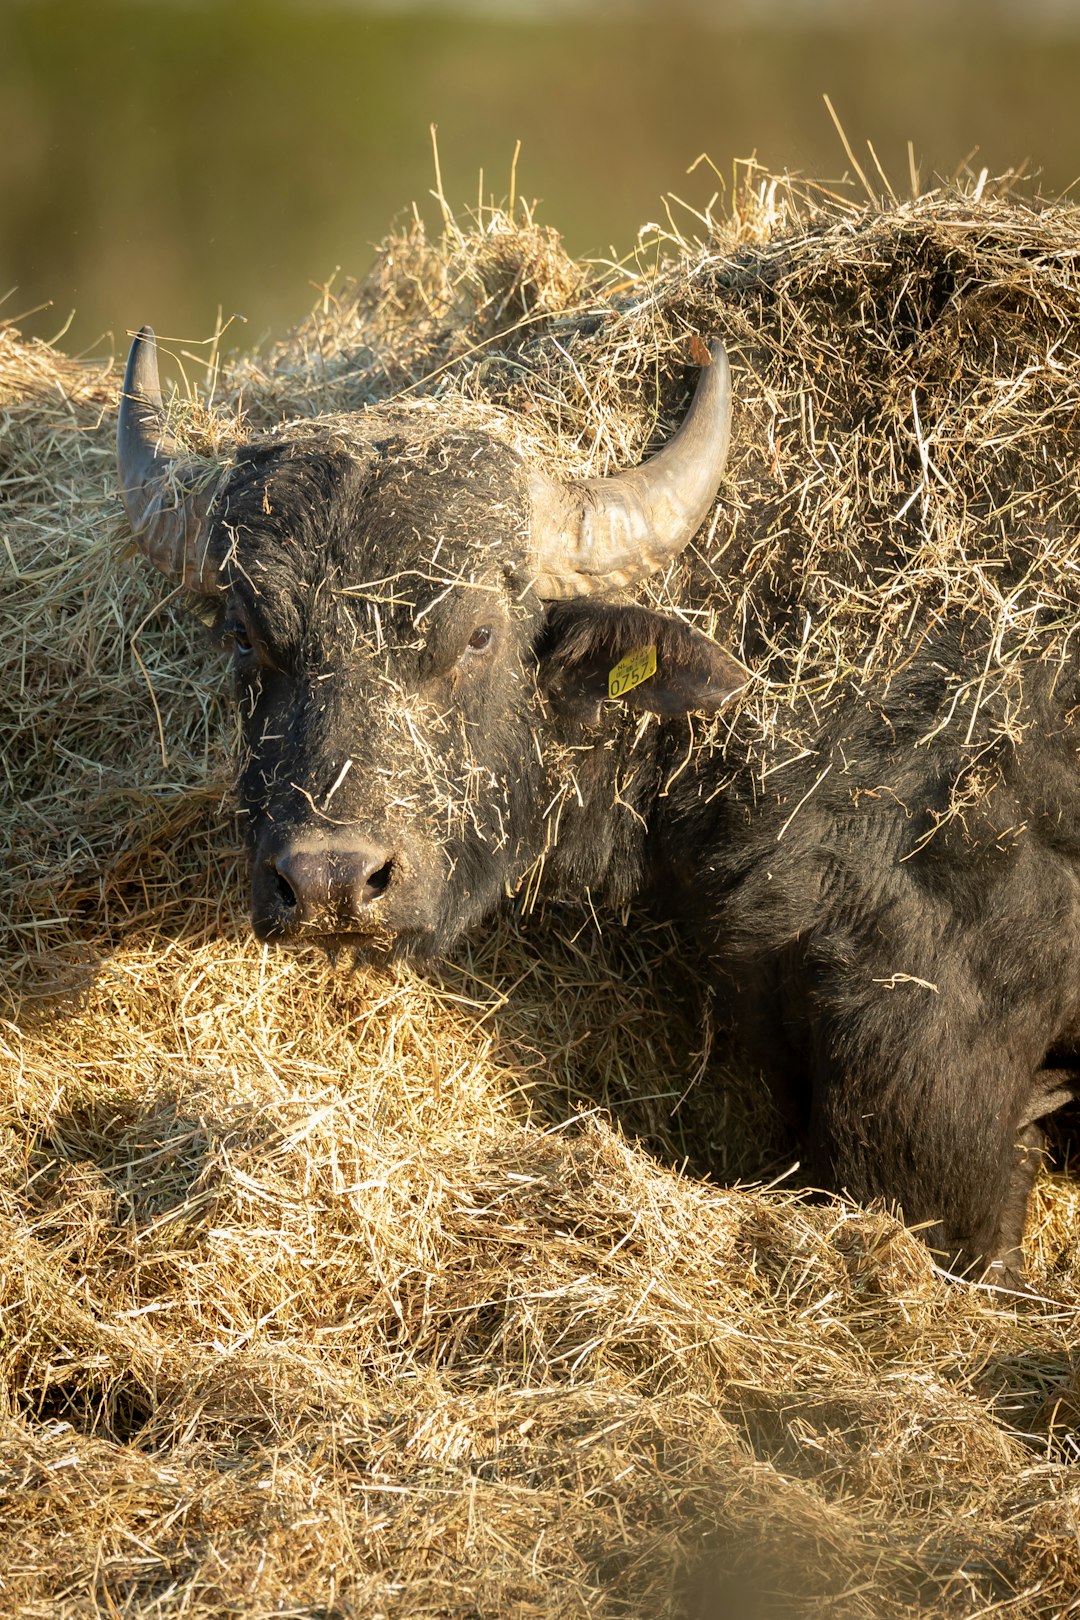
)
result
[(631, 671)]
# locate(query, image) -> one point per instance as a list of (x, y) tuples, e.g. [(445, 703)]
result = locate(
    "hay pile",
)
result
[(399, 1295)]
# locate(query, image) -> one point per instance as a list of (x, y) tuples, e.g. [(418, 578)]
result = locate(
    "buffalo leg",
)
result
[(1006, 1268), (950, 1145)]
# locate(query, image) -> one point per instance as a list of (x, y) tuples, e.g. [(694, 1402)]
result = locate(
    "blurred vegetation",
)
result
[(159, 161)]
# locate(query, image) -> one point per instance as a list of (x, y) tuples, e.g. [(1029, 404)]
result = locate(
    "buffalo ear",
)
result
[(584, 641)]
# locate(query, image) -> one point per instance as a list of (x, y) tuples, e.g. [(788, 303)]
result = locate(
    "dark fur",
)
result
[(895, 925), (899, 940)]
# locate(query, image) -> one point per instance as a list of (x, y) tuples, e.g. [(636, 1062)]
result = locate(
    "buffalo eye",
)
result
[(240, 639), (480, 639)]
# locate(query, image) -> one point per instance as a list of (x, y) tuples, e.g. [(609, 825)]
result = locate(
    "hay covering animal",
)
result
[(424, 629)]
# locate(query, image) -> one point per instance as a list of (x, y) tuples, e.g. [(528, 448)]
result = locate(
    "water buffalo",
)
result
[(445, 697)]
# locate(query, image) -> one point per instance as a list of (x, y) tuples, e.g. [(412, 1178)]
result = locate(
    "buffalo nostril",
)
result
[(285, 892), (376, 882)]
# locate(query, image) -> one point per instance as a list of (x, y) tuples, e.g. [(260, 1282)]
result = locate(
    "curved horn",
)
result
[(597, 534), (167, 515)]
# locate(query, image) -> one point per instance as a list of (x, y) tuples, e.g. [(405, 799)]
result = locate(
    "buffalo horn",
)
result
[(167, 514), (598, 534)]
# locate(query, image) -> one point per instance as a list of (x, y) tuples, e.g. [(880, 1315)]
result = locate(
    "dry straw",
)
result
[(402, 1294)]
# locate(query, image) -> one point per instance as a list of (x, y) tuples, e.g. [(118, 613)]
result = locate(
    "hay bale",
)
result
[(393, 1293)]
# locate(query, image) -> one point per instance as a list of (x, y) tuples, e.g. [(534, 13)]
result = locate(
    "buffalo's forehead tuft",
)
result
[(369, 507), (371, 534)]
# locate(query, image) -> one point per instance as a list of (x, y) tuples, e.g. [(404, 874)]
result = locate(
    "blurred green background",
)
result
[(161, 160)]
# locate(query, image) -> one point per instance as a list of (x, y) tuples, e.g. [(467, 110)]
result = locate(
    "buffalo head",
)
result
[(422, 649)]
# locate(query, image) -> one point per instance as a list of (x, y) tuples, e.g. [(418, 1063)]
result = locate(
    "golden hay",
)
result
[(400, 1294)]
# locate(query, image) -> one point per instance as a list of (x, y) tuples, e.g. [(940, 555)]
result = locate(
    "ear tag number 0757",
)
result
[(631, 671)]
